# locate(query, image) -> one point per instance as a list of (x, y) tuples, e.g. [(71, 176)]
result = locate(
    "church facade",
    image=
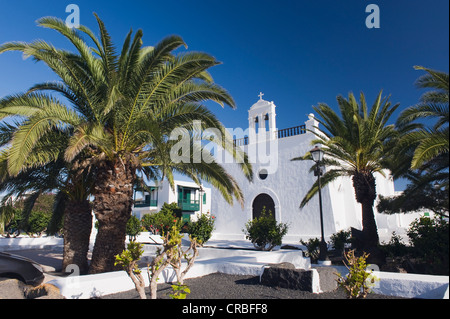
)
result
[(280, 184)]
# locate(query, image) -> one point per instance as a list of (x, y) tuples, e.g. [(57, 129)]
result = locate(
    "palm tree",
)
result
[(354, 145), (430, 142), (123, 108), (421, 151), (71, 203)]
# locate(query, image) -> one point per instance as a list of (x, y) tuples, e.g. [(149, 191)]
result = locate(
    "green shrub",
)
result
[(13, 226), (202, 229), (339, 239), (147, 222), (161, 222), (173, 209), (264, 232), (37, 223), (133, 227), (429, 239), (395, 247)]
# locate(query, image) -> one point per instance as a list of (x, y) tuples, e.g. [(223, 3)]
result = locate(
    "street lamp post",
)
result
[(317, 155)]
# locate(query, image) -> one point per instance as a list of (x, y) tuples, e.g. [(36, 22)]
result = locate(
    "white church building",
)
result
[(280, 184)]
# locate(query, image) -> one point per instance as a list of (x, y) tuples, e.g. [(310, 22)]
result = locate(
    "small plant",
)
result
[(264, 232), (133, 228), (312, 248), (179, 291), (179, 254), (172, 253), (358, 282), (202, 229), (171, 239), (128, 260)]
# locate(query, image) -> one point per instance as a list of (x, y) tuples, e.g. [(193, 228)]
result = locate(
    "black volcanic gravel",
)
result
[(224, 286)]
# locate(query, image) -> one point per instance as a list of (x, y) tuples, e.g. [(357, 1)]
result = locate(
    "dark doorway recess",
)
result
[(260, 201)]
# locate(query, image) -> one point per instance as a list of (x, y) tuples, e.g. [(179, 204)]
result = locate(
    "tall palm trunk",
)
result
[(364, 185), (112, 207), (77, 231), (365, 191)]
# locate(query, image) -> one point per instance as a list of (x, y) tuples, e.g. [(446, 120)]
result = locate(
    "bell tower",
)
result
[(261, 118)]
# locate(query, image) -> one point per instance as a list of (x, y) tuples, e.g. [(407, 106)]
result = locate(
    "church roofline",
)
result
[(260, 104)]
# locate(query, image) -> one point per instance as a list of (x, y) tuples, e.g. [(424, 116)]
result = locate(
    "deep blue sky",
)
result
[(298, 53)]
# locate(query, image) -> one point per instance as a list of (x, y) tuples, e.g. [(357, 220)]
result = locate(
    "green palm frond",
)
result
[(428, 142), (433, 79), (432, 143), (46, 114), (108, 51), (93, 64), (420, 111)]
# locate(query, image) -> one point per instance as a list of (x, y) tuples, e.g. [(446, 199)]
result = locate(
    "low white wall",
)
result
[(412, 285), (29, 243)]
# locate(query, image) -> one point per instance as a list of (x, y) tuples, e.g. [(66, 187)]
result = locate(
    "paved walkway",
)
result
[(50, 259)]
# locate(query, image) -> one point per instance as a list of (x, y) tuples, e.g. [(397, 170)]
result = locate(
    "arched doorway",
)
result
[(260, 201)]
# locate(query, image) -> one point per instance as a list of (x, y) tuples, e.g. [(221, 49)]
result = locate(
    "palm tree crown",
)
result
[(355, 144)]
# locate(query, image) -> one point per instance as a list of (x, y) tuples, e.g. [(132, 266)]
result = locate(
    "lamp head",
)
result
[(317, 154)]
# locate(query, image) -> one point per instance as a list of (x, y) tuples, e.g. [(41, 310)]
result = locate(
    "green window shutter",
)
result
[(204, 198)]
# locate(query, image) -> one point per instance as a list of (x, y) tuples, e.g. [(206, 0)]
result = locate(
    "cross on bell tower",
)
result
[(262, 118)]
